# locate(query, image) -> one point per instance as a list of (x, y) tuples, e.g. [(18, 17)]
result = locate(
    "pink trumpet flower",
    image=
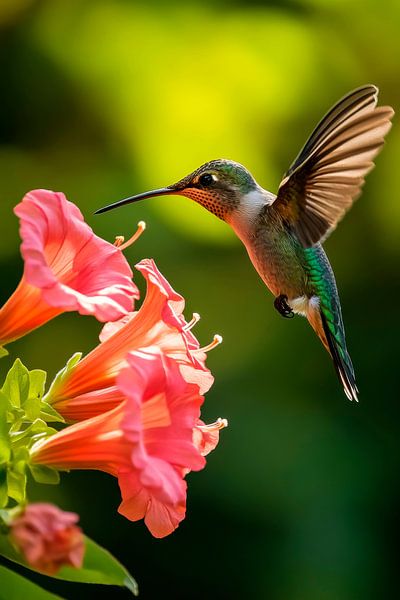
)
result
[(66, 267), (150, 441), (48, 537), (90, 388)]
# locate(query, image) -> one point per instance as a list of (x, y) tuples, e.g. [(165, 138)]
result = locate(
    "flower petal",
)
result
[(160, 518), (74, 268)]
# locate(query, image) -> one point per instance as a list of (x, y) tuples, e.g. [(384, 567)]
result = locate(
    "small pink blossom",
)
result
[(149, 441), (66, 267), (48, 537), (90, 388)]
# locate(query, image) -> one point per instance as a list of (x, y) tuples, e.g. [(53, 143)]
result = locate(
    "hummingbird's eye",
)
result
[(206, 179)]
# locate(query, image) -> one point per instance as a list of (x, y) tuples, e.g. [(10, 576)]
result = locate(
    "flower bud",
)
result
[(48, 537)]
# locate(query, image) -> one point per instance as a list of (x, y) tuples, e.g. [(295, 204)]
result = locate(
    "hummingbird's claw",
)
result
[(282, 306)]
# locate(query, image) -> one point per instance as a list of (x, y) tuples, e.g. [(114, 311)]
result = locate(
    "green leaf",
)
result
[(37, 380), (31, 409), (24, 392), (16, 474), (3, 352), (16, 419), (61, 375), (49, 414), (16, 483), (20, 426), (99, 566), (35, 406), (42, 474), (16, 385), (34, 431), (5, 444), (4, 520), (15, 587)]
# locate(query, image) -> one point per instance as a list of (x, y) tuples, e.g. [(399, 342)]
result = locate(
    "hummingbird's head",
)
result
[(219, 185)]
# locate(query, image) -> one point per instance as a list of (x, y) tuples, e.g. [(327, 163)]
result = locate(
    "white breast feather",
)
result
[(247, 212)]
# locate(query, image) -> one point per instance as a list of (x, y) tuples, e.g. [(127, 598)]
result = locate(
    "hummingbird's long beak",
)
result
[(160, 192)]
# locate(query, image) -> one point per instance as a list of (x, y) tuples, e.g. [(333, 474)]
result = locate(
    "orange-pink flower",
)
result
[(66, 267), (48, 537), (150, 441), (90, 388)]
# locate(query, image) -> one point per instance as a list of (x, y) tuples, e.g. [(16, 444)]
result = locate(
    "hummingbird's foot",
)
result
[(283, 307)]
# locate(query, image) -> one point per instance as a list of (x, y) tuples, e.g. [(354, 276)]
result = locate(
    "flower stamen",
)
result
[(216, 426), (195, 319), (216, 342), (119, 240)]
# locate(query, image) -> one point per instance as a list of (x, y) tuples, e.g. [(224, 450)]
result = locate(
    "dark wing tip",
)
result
[(367, 90)]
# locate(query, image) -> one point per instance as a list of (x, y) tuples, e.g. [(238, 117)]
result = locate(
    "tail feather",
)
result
[(342, 361), (325, 315)]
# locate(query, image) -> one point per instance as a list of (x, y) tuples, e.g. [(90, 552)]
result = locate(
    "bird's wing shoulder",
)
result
[(327, 175)]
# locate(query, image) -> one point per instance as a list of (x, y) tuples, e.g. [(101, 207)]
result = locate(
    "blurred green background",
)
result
[(108, 98)]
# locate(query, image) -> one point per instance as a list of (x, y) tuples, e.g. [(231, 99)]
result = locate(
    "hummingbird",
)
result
[(283, 233)]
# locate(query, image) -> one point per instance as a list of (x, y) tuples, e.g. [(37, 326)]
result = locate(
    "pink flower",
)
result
[(90, 388), (67, 267), (48, 537), (149, 441)]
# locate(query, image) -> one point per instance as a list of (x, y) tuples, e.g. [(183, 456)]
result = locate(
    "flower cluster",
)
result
[(149, 441), (133, 403)]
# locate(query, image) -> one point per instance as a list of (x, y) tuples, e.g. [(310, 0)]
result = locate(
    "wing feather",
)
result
[(328, 174)]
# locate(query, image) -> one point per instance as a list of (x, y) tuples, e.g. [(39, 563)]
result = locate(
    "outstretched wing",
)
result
[(329, 172)]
